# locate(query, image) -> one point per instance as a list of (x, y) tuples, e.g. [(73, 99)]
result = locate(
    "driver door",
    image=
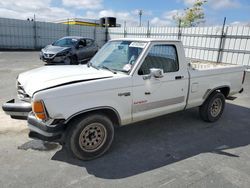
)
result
[(81, 51), (157, 96)]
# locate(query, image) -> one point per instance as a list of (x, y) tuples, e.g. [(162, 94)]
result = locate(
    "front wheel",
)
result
[(212, 109), (90, 136), (71, 60)]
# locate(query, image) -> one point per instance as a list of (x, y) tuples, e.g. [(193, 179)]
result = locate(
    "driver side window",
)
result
[(162, 57), (82, 43), (89, 42)]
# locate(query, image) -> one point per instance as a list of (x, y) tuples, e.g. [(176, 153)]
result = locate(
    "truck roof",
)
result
[(147, 40)]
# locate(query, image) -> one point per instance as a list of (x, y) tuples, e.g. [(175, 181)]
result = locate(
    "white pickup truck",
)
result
[(127, 81)]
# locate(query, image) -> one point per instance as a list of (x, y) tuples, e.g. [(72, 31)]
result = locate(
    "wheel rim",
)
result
[(92, 137), (216, 107), (67, 61)]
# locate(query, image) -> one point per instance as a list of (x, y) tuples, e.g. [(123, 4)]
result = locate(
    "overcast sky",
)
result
[(158, 12)]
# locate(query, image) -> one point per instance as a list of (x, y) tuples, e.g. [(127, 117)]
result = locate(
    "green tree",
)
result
[(192, 16)]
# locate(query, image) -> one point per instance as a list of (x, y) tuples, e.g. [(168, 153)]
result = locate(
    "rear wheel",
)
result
[(213, 107), (90, 137)]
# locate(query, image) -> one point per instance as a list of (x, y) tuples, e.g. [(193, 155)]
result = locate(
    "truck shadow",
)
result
[(158, 142)]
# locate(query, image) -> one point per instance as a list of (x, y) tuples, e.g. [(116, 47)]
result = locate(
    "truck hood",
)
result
[(54, 76), (50, 49)]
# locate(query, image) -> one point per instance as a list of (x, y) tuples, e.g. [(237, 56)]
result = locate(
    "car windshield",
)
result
[(118, 55), (65, 42)]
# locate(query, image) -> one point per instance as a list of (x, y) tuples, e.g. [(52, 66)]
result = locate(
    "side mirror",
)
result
[(80, 46), (157, 73)]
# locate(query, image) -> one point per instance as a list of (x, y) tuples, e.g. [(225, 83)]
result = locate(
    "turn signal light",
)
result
[(39, 110), (41, 116)]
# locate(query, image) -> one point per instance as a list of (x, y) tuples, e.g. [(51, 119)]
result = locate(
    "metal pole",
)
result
[(140, 15), (95, 31), (106, 29), (222, 37), (35, 33), (68, 27), (124, 30), (148, 30), (179, 31)]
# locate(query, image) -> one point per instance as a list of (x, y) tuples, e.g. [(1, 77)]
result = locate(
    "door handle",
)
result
[(179, 77), (147, 93)]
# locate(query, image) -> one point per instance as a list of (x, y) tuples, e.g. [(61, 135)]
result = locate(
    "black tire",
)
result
[(80, 139), (212, 109), (73, 60)]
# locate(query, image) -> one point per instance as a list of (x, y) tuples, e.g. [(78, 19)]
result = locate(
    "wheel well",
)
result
[(75, 56), (224, 90), (110, 113)]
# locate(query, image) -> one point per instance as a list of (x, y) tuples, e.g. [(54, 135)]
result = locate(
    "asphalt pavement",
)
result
[(176, 150)]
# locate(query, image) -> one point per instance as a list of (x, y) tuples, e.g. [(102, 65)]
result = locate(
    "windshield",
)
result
[(65, 42), (118, 55)]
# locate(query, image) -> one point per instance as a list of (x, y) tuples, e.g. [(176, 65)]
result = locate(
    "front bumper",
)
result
[(18, 110), (53, 59), (45, 59), (38, 129)]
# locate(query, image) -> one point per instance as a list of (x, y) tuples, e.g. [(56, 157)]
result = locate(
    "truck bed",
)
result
[(204, 65), (205, 76)]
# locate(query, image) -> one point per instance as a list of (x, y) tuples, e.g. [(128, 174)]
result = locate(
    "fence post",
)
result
[(106, 29), (148, 30), (222, 38), (35, 32), (68, 32), (95, 32), (35, 35), (124, 30), (179, 30)]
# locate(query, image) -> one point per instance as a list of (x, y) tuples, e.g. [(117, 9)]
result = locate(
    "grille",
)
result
[(48, 55), (21, 94)]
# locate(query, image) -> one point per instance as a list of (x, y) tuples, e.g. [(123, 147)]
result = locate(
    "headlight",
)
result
[(39, 110)]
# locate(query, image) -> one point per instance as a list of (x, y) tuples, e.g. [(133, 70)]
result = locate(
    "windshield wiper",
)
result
[(107, 68), (89, 64)]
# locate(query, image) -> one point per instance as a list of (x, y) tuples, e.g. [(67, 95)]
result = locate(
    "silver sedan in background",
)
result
[(70, 50)]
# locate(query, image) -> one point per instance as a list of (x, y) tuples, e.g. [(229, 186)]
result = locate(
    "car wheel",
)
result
[(67, 61), (73, 60), (213, 107), (90, 137)]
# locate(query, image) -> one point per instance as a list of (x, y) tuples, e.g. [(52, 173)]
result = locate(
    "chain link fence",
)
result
[(22, 34), (229, 44)]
